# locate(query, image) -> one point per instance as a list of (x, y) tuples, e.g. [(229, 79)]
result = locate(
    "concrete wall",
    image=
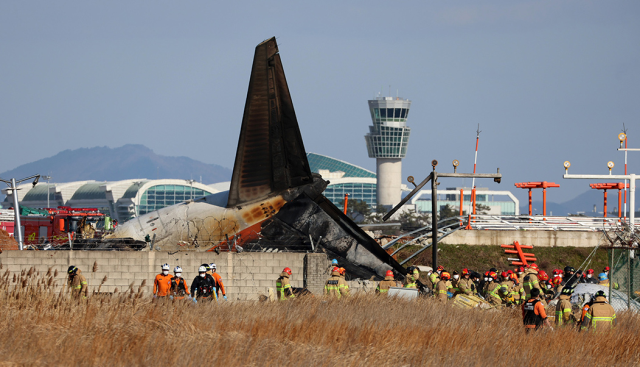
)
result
[(535, 238), (245, 275)]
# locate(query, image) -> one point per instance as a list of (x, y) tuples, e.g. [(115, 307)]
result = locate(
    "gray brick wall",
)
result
[(246, 275)]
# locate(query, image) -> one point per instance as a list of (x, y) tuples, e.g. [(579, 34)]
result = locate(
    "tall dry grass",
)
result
[(40, 326)]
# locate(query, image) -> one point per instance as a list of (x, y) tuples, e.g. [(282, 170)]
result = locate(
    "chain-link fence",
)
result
[(624, 275)]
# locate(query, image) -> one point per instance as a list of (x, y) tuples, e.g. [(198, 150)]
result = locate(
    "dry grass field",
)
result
[(40, 327)]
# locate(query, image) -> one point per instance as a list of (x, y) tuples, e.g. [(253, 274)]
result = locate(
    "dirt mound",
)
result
[(7, 242)]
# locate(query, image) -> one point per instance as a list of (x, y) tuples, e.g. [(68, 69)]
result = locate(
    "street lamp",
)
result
[(48, 192), (16, 208)]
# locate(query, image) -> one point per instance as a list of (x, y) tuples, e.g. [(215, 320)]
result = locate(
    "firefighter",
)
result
[(518, 291), (493, 290), (530, 280), (533, 313), (430, 285), (589, 278), (218, 279), (455, 283), (441, 287), (601, 316), (584, 311), (336, 286), (388, 282), (77, 283), (179, 287), (162, 283), (283, 287), (343, 273), (411, 278), (465, 285), (563, 308), (203, 287), (507, 291), (520, 273), (435, 276), (546, 290)]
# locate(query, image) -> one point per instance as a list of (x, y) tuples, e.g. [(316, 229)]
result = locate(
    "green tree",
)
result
[(409, 220), (358, 210)]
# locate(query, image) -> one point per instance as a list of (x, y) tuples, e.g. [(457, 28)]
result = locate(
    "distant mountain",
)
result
[(582, 203), (114, 164)]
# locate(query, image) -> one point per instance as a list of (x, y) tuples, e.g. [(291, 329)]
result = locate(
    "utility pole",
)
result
[(13, 184), (433, 177)]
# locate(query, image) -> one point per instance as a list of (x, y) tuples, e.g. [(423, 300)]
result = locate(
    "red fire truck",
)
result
[(58, 226)]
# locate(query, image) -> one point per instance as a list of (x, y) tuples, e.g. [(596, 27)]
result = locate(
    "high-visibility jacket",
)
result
[(601, 316), (435, 278), (336, 286), (531, 281), (218, 280), (410, 281), (78, 285), (493, 295), (465, 286), (283, 287), (383, 286), (441, 291), (162, 285), (507, 291), (606, 284), (563, 310)]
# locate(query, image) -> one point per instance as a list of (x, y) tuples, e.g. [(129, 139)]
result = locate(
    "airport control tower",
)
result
[(387, 142)]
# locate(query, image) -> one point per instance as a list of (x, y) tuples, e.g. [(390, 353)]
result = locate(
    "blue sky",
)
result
[(547, 81)]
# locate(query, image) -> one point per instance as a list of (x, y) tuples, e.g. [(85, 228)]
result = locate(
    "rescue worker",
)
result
[(411, 278), (203, 287), (604, 280), (520, 273), (493, 289), (584, 311), (465, 285), (283, 287), (435, 276), (545, 288), (334, 263), (563, 308), (589, 277), (336, 286), (533, 314), (179, 287), (429, 285), (343, 273), (601, 316), (388, 282), (454, 283), (606, 270), (518, 291), (162, 283), (77, 283), (530, 280), (218, 279), (507, 291), (441, 287)]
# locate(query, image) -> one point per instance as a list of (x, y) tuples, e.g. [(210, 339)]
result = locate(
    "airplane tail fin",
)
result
[(270, 156)]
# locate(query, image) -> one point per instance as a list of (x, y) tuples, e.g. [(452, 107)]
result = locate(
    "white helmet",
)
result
[(202, 269), (213, 266), (165, 267), (177, 269)]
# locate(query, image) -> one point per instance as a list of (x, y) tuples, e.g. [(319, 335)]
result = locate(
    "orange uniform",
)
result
[(218, 280), (162, 285)]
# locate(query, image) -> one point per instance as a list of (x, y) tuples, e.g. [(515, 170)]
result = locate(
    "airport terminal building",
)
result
[(121, 200)]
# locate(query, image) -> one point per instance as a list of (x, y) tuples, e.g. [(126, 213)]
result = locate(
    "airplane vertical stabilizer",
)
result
[(271, 156)]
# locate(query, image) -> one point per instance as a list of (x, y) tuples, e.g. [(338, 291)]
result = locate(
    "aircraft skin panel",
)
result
[(185, 225), (270, 156)]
